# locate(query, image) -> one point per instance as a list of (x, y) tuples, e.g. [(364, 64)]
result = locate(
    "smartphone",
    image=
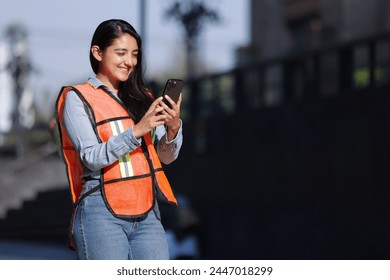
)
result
[(173, 88)]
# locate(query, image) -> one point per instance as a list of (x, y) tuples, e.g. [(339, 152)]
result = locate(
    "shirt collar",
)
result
[(95, 82)]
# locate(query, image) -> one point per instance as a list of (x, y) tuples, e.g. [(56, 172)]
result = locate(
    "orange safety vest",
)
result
[(129, 185)]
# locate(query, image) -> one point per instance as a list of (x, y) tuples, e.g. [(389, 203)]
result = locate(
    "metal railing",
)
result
[(340, 69)]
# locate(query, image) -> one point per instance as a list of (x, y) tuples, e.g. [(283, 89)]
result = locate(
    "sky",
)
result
[(59, 34)]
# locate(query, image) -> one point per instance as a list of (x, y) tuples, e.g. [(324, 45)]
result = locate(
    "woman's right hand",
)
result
[(150, 120)]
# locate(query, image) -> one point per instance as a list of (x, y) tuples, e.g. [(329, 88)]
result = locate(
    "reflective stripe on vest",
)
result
[(124, 161), (128, 185)]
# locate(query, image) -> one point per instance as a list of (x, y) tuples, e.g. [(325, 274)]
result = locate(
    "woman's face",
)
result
[(117, 61)]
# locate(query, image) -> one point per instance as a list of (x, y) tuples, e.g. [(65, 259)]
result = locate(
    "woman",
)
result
[(114, 136)]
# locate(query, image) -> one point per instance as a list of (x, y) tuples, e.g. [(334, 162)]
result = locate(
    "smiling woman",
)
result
[(117, 62), (114, 136)]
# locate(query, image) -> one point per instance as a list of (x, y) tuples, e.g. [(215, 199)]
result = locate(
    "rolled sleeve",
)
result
[(130, 140), (168, 151)]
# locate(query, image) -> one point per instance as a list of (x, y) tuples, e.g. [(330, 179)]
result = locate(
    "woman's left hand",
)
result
[(172, 120)]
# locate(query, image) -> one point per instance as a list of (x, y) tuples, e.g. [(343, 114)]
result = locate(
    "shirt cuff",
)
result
[(177, 135), (130, 140)]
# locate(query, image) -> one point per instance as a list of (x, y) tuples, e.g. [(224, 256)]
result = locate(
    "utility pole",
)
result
[(142, 32), (142, 12), (192, 15), (19, 67)]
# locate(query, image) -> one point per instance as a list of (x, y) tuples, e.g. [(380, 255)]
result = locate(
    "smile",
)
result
[(125, 69)]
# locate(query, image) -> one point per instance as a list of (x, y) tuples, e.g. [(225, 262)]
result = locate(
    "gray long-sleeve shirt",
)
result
[(95, 155)]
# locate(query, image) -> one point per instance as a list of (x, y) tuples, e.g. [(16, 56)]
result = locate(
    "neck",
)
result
[(113, 86)]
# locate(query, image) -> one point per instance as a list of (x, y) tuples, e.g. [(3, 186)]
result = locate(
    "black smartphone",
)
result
[(173, 88)]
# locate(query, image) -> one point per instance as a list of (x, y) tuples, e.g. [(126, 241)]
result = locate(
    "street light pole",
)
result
[(142, 32), (19, 67)]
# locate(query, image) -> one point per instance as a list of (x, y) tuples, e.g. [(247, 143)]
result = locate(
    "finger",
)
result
[(159, 123), (165, 106), (154, 105), (170, 100), (176, 105), (160, 119), (174, 111), (158, 109), (179, 100)]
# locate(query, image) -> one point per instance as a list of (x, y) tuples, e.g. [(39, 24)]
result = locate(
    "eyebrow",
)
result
[(125, 50)]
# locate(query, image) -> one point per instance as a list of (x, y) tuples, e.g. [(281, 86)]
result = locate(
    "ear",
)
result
[(96, 52)]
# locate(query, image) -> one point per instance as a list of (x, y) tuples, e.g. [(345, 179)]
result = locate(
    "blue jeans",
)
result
[(98, 235)]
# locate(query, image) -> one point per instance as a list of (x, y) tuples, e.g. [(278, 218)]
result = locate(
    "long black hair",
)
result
[(132, 92)]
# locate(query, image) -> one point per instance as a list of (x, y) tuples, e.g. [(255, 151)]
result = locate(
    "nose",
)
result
[(130, 61)]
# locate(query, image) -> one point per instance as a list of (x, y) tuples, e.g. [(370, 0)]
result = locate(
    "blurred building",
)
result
[(309, 102), (301, 48), (281, 27), (6, 97)]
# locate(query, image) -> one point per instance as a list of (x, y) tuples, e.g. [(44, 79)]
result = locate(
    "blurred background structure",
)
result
[(285, 151)]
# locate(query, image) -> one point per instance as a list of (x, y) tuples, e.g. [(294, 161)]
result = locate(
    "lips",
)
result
[(125, 69)]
